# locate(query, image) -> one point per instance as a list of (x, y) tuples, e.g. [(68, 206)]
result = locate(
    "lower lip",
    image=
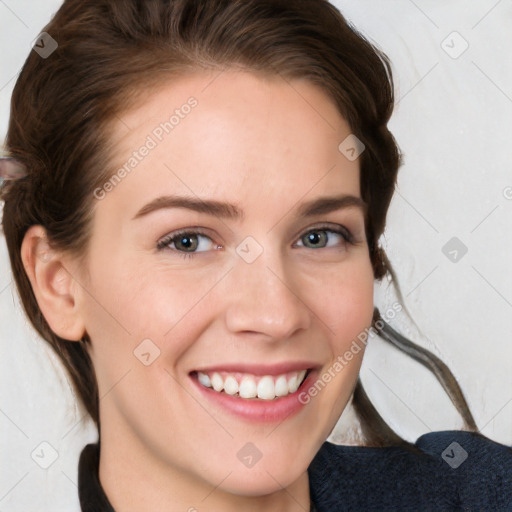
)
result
[(254, 409)]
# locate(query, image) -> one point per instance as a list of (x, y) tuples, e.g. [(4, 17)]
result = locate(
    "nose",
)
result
[(265, 299)]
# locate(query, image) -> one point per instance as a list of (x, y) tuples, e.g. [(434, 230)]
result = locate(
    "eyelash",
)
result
[(164, 243), (173, 237)]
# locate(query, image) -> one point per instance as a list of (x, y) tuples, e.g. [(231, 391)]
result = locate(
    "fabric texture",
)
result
[(442, 471)]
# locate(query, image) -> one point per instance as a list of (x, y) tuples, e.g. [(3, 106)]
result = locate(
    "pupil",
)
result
[(187, 242), (314, 238)]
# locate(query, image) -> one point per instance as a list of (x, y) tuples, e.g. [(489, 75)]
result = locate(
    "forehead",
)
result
[(233, 133)]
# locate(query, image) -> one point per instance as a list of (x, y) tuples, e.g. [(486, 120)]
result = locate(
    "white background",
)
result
[(453, 122)]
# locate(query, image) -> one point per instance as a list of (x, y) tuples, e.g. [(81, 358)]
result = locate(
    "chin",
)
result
[(252, 482)]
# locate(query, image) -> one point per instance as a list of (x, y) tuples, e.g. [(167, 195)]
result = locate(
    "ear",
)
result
[(54, 287)]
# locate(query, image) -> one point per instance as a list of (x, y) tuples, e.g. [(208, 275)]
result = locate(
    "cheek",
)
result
[(128, 303), (351, 307), (345, 307), (352, 312), (343, 301), (138, 297)]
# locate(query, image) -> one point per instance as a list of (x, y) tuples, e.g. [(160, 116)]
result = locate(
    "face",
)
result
[(229, 261)]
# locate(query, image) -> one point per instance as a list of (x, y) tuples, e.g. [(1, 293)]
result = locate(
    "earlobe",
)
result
[(54, 287)]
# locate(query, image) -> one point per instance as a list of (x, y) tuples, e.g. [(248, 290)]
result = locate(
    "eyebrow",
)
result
[(224, 210)]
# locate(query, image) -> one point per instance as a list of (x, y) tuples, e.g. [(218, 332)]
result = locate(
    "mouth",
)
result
[(256, 393), (249, 386)]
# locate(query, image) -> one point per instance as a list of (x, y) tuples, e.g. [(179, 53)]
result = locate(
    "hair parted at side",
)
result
[(112, 53)]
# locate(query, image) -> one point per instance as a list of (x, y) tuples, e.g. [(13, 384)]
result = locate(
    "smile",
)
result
[(255, 392), (246, 385)]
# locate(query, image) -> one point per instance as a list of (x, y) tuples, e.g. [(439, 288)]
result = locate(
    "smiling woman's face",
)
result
[(247, 296)]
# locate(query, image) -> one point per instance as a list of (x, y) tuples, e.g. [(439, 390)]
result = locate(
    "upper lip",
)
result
[(260, 369)]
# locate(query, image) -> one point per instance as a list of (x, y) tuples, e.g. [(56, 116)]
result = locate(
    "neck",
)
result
[(134, 479)]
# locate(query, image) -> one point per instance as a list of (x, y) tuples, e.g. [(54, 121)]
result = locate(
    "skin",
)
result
[(268, 146)]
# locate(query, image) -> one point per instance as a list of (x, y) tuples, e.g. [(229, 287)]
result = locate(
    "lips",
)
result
[(272, 390), (250, 386)]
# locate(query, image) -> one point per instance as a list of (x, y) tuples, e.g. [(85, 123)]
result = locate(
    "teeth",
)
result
[(204, 380), (266, 387), (248, 388), (231, 385), (217, 382), (293, 384), (281, 386)]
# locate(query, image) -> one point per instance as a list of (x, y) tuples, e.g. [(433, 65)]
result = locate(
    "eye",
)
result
[(190, 241), (187, 242), (324, 237)]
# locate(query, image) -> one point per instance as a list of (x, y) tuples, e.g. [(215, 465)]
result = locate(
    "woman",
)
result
[(196, 235)]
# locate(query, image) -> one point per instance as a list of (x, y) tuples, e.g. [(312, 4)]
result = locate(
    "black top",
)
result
[(452, 470)]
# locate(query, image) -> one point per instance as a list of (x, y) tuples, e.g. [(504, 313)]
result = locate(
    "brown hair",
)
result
[(110, 52)]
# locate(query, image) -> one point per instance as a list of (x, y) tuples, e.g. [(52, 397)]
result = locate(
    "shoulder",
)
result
[(481, 469), (448, 470)]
